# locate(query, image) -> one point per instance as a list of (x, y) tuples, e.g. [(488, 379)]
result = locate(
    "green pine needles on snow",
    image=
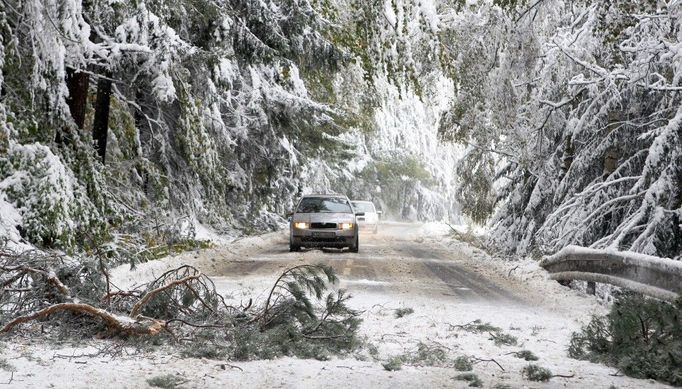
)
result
[(526, 355), (300, 317), (167, 381), (642, 337), (402, 312), (463, 363), (536, 373), (471, 378)]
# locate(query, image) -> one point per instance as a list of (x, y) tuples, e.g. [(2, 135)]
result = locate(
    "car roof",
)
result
[(362, 201), (326, 195)]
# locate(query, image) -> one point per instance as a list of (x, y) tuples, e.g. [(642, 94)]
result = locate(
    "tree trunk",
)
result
[(77, 82), (567, 158), (100, 127), (591, 288)]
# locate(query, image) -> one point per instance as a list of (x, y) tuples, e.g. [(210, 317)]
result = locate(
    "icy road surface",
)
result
[(402, 259), (447, 283)]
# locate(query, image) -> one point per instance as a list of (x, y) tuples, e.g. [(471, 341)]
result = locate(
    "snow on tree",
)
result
[(222, 110), (557, 121), (589, 152)]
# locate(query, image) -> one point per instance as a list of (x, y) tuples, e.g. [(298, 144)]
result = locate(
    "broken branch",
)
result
[(148, 296), (478, 360), (120, 323), (50, 275)]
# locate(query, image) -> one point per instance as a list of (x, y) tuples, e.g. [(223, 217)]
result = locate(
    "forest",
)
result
[(552, 122)]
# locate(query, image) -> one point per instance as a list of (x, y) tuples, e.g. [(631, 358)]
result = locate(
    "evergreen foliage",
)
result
[(526, 355), (6, 366), (463, 363), (401, 312), (478, 326), (642, 337), (424, 355), (536, 373), (503, 339), (428, 355), (471, 378), (304, 316), (168, 381), (393, 364)]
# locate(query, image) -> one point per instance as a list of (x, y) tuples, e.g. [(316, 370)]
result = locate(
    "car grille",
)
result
[(323, 225), (310, 239)]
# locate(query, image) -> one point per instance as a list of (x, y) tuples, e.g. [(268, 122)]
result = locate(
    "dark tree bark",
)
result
[(77, 82), (100, 127)]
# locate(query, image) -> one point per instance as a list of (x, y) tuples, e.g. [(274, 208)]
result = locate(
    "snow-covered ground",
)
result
[(388, 274)]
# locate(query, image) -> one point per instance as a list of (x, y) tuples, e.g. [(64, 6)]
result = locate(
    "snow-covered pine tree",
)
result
[(588, 148)]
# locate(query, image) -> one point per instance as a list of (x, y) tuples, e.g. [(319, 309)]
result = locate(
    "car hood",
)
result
[(324, 218)]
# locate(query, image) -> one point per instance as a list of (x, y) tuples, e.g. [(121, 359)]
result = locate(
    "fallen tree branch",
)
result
[(224, 365), (478, 360), (452, 327), (274, 287), (563, 376), (120, 323), (50, 275), (183, 303), (148, 296)]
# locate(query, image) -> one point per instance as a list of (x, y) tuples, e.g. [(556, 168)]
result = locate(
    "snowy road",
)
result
[(446, 284), (398, 260)]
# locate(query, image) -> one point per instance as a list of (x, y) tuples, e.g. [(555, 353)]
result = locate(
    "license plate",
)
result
[(324, 234)]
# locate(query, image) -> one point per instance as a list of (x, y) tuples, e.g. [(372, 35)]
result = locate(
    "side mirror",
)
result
[(359, 214), (289, 214), (379, 212)]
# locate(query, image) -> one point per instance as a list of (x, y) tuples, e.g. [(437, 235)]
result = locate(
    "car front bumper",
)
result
[(323, 238)]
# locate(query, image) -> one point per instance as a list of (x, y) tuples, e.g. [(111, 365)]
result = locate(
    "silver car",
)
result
[(324, 221)]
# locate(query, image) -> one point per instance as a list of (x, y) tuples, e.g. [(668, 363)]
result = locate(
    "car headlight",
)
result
[(301, 226), (346, 226)]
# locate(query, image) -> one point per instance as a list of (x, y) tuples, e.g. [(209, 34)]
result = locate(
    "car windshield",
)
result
[(363, 206), (324, 205)]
